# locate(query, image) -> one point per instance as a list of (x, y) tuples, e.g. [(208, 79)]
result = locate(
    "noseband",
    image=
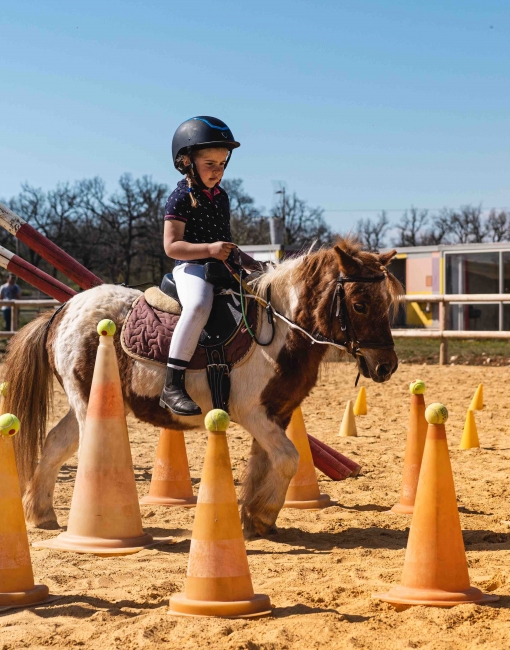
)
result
[(352, 342)]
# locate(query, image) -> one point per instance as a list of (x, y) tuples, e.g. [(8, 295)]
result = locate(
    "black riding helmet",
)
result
[(200, 133)]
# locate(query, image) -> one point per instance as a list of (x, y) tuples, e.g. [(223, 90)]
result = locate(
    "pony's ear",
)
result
[(385, 258), (348, 264)]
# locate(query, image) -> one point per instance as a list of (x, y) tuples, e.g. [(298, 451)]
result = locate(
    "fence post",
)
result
[(15, 318), (443, 320)]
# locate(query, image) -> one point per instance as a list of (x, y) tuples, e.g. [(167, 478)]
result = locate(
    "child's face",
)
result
[(210, 164)]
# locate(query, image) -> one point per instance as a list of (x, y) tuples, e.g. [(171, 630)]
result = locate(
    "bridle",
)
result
[(352, 343)]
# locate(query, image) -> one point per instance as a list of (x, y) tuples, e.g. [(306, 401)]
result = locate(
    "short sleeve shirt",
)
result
[(206, 223), (10, 291)]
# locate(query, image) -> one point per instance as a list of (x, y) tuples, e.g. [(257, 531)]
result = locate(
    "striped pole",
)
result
[(47, 249), (34, 276)]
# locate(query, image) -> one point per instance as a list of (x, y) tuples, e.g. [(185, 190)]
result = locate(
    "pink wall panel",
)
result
[(419, 275)]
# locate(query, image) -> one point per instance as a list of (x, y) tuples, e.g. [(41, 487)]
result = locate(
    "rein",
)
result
[(353, 345)]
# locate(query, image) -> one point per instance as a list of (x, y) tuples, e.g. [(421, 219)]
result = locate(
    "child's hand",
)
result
[(220, 250)]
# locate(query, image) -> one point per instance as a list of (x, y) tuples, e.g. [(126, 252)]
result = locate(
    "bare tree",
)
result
[(467, 225), (498, 225), (247, 224), (410, 227), (372, 233), (303, 224)]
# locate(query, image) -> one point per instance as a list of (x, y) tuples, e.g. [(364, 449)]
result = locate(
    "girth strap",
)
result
[(218, 376)]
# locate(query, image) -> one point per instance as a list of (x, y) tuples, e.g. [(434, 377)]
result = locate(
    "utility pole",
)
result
[(282, 192)]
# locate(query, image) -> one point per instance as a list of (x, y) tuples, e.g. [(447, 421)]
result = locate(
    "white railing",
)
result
[(443, 334), (25, 305)]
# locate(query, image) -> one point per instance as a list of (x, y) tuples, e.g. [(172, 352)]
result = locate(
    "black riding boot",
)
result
[(174, 395)]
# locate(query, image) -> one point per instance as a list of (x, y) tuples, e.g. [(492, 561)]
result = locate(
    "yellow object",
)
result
[(417, 387), (218, 580), (348, 426), (303, 491), (17, 586), (477, 401), (470, 435), (217, 420), (9, 424), (435, 566), (106, 327), (3, 388), (436, 413), (105, 516), (360, 407)]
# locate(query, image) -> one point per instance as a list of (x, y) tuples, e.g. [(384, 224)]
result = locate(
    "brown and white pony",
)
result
[(266, 387)]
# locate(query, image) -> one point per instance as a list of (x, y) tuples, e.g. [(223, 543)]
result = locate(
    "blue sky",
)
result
[(356, 105)]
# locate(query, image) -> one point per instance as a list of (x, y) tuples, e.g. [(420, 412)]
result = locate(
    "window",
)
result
[(473, 273), (482, 316)]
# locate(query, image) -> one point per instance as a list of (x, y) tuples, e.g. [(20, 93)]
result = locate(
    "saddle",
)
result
[(224, 342)]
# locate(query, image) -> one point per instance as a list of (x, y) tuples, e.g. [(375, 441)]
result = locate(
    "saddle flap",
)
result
[(224, 321)]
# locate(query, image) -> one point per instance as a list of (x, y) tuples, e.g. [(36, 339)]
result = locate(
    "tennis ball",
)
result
[(436, 413), (106, 327), (417, 387), (9, 424), (4, 386), (217, 420)]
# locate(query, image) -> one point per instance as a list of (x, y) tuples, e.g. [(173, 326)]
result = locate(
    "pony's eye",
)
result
[(360, 307)]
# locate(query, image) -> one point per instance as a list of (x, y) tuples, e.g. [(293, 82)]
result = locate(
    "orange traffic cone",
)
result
[(105, 516), (348, 426), (360, 406), (435, 566), (470, 435), (218, 581), (171, 482), (17, 588), (414, 449), (477, 401), (303, 491)]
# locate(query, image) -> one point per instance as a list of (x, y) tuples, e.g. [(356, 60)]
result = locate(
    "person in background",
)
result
[(9, 291)]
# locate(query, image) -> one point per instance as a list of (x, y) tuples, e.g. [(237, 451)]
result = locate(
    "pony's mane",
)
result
[(304, 267)]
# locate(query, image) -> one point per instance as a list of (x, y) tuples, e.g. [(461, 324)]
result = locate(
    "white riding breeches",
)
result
[(196, 296)]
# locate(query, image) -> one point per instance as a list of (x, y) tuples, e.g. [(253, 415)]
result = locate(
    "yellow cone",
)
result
[(17, 586), (303, 492), (348, 426), (470, 434), (218, 581), (360, 407), (477, 401)]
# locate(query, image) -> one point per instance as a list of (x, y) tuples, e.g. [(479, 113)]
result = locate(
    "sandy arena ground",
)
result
[(322, 567)]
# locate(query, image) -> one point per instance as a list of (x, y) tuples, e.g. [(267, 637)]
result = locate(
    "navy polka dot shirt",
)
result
[(207, 223)]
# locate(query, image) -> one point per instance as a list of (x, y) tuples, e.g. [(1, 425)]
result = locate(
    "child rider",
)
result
[(197, 230)]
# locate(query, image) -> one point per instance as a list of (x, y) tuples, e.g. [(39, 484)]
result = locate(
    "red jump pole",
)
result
[(316, 444), (37, 278), (47, 250)]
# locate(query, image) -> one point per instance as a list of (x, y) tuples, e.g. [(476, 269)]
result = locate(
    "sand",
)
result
[(322, 567)]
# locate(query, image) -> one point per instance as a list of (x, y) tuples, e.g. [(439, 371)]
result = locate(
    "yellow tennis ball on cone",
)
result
[(436, 413), (417, 387), (9, 424), (217, 420), (106, 327)]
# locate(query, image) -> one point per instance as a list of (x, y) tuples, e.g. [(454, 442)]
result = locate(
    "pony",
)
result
[(266, 387)]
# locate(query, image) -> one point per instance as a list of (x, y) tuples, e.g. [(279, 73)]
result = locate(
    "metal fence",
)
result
[(26, 306)]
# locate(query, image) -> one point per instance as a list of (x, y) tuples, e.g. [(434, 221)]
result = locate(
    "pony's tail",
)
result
[(30, 391)]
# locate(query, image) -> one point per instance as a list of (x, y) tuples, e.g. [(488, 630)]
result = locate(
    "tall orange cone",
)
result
[(360, 406), (105, 516), (435, 567), (348, 426), (470, 434), (477, 401), (171, 481), (414, 449), (17, 588), (218, 581), (303, 491)]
